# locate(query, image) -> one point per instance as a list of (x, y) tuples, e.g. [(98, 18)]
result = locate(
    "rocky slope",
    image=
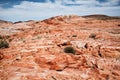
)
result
[(5, 23), (36, 49)]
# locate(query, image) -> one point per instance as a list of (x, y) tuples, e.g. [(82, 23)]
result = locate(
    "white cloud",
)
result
[(83, 2), (34, 10)]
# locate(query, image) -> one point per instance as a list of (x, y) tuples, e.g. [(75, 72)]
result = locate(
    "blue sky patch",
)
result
[(20, 10)]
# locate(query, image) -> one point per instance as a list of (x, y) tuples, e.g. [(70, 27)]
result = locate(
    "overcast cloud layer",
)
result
[(30, 10)]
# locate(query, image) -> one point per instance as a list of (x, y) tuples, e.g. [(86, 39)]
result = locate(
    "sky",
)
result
[(23, 10)]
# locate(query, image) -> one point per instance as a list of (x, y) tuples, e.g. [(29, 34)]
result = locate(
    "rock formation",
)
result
[(36, 49)]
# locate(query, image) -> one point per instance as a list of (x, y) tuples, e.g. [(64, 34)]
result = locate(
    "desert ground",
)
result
[(36, 49)]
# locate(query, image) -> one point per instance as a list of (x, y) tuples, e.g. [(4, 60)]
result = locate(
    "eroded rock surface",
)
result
[(36, 50)]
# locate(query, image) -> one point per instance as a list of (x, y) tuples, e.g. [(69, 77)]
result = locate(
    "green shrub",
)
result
[(69, 50), (1, 37), (4, 44), (92, 36)]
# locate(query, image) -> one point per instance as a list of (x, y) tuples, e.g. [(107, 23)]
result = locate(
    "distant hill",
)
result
[(4, 23), (101, 17)]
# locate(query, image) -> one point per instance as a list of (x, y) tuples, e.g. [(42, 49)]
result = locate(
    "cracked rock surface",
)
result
[(36, 49)]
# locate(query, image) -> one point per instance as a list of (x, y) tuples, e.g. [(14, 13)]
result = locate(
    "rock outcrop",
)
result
[(36, 49)]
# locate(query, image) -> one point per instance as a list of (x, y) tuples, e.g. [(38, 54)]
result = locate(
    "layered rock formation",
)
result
[(36, 49)]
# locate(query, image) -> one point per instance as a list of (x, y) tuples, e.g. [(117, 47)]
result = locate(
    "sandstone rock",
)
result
[(36, 51), (1, 56)]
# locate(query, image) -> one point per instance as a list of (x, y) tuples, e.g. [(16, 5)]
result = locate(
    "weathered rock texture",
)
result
[(36, 50)]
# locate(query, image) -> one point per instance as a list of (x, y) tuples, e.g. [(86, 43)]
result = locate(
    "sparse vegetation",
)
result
[(1, 37), (74, 35), (4, 44), (38, 37), (92, 35), (4, 37), (3, 41), (69, 50)]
